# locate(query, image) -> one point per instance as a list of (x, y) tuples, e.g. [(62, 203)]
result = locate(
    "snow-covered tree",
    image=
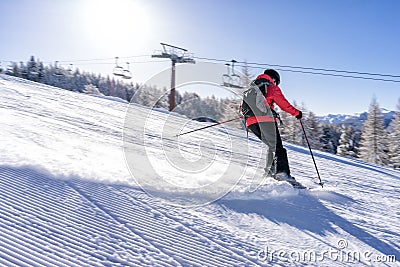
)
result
[(328, 140), (23, 70), (230, 108), (373, 144), (149, 96), (290, 129), (74, 81), (91, 90), (394, 139), (33, 70), (246, 76), (346, 142), (313, 130), (13, 69), (192, 105)]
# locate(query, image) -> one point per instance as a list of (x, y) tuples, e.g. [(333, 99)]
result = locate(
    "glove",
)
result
[(300, 115)]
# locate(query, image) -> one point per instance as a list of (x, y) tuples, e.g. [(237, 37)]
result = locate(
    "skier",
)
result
[(265, 127)]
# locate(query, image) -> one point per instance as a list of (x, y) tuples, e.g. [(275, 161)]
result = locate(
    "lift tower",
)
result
[(177, 55)]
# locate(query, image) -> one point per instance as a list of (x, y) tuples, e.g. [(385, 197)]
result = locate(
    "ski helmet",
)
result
[(274, 75)]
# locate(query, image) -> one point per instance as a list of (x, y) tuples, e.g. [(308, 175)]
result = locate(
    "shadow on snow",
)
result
[(306, 213)]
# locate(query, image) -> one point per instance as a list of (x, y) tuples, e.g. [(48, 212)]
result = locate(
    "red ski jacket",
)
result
[(273, 95)]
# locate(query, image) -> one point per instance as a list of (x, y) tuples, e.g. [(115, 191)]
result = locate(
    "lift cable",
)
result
[(310, 70)]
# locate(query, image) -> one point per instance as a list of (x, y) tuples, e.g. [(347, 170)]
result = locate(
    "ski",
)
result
[(298, 185), (293, 182)]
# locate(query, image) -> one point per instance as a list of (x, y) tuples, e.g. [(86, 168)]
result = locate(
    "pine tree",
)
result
[(40, 69), (290, 130), (13, 70), (32, 69), (394, 139), (373, 145), (346, 142), (91, 89), (314, 130), (229, 108), (246, 76), (327, 140), (23, 70)]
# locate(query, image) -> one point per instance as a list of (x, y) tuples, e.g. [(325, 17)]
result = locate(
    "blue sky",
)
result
[(355, 35)]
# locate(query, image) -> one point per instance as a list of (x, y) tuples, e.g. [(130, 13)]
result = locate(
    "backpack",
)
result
[(253, 103)]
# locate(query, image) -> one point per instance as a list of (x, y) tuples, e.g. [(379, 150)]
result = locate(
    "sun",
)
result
[(115, 24)]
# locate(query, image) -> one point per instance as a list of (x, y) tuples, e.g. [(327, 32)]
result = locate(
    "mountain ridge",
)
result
[(357, 119)]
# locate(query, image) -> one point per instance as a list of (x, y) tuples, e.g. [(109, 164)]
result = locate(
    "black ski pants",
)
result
[(265, 132)]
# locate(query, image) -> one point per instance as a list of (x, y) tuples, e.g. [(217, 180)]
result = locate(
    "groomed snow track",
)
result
[(81, 223)]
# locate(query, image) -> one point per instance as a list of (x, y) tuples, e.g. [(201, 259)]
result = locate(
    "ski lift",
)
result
[(226, 78), (70, 68), (58, 71), (126, 72), (68, 71), (118, 70), (236, 79), (231, 80)]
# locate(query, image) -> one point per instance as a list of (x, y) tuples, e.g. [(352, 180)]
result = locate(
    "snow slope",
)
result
[(68, 198)]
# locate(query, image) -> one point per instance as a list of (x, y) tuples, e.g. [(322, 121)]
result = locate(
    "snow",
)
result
[(113, 98), (70, 194)]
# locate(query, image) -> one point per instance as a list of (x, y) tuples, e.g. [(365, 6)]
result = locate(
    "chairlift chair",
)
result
[(118, 70), (126, 72), (236, 79), (226, 78), (70, 68)]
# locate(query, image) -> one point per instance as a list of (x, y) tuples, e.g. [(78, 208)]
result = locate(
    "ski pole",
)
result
[(309, 147), (208, 126)]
